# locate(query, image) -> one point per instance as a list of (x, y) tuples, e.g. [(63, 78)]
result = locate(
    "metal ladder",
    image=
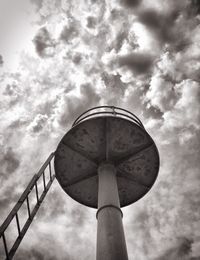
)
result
[(24, 199)]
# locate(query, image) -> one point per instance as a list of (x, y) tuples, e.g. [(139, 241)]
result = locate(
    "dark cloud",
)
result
[(35, 254), (194, 7), (37, 3), (114, 82), (150, 18), (69, 32), (179, 251), (43, 43), (123, 35), (48, 209), (143, 222), (77, 57), (78, 213), (9, 196), (138, 62), (91, 22), (38, 123), (118, 42), (115, 14), (153, 112), (13, 94), (180, 44), (161, 24), (79, 216), (9, 162), (10, 90), (1, 60), (18, 124), (115, 88), (131, 3)]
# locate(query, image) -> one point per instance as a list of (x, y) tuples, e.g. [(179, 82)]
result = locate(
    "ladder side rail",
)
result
[(17, 205), (44, 166), (29, 220), (24, 197)]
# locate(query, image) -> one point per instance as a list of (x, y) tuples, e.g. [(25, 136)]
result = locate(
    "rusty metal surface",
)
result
[(88, 138), (122, 142)]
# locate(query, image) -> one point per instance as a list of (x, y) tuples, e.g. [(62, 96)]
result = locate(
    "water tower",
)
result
[(106, 160)]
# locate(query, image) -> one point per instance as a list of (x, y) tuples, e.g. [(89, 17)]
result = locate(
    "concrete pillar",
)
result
[(111, 243)]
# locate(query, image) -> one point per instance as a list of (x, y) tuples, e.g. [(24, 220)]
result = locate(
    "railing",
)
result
[(108, 111), (38, 179)]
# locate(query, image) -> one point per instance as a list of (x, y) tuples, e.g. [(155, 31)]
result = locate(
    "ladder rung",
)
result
[(18, 225)]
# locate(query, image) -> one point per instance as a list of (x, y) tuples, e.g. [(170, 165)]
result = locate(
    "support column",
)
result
[(111, 243)]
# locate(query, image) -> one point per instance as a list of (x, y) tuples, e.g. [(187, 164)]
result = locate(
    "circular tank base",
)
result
[(117, 140)]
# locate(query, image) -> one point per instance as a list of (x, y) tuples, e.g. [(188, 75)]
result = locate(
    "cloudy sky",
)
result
[(59, 58)]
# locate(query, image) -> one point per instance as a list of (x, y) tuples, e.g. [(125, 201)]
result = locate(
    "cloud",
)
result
[(44, 45), (106, 52), (41, 254), (9, 192), (130, 3), (12, 93), (10, 90), (38, 123), (71, 106), (194, 7), (161, 93), (70, 222), (139, 63), (9, 162), (91, 22), (182, 250), (37, 3), (70, 31), (1, 60), (160, 24), (114, 89), (77, 58), (46, 9), (120, 38), (33, 254), (186, 110)]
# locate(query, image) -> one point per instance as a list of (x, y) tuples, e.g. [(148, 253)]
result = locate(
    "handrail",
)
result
[(31, 213), (113, 112)]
